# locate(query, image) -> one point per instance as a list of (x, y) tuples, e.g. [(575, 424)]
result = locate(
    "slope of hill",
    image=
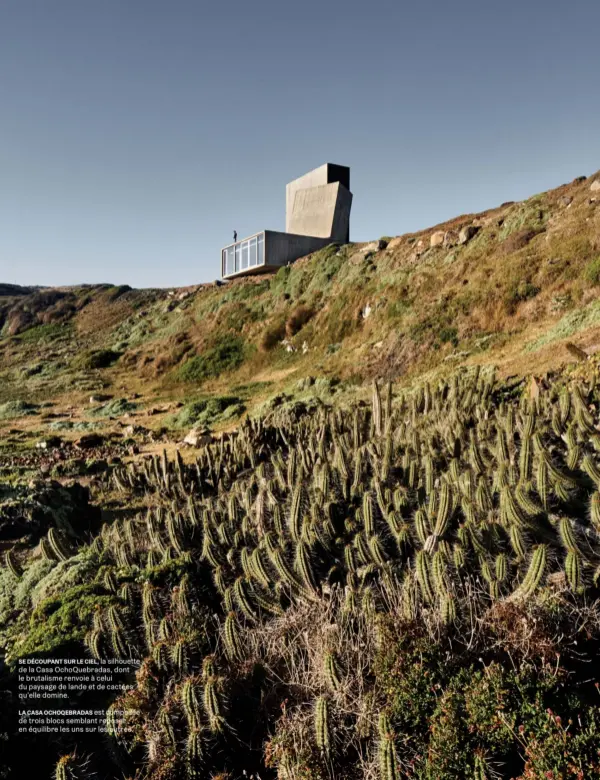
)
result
[(512, 289), (346, 577)]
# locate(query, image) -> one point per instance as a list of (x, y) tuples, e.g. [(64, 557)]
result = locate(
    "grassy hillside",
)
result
[(342, 576), (524, 284)]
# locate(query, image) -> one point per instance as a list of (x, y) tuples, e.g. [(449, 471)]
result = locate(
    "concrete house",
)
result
[(317, 213)]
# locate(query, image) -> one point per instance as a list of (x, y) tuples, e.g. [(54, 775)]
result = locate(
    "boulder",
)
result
[(450, 238), (372, 247), (565, 201), (395, 242), (437, 238), (467, 233), (198, 437), (89, 440), (595, 186)]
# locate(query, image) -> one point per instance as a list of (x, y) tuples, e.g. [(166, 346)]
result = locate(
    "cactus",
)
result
[(11, 564), (57, 546), (191, 703), (573, 570), (194, 752), (567, 536), (232, 640), (322, 727), (241, 595), (213, 707), (535, 572), (388, 763), (423, 576)]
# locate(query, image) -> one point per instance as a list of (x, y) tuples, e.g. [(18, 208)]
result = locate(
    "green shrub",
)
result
[(397, 309), (12, 409), (96, 358), (117, 291), (272, 335), (61, 620), (448, 334), (114, 408), (47, 332), (592, 271), (227, 354), (206, 411), (518, 292)]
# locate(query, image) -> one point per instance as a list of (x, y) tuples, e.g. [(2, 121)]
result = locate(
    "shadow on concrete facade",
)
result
[(317, 213)]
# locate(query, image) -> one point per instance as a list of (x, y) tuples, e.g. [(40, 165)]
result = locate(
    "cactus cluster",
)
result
[(445, 493)]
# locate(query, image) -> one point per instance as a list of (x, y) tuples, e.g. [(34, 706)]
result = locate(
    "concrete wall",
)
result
[(322, 211), (284, 248), (311, 179), (314, 215)]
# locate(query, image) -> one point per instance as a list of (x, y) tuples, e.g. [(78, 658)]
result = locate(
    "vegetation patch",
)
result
[(207, 411), (61, 621), (592, 271), (571, 323), (115, 408), (14, 409), (97, 358), (226, 354)]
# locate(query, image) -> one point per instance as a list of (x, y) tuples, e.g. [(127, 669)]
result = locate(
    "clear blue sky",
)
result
[(135, 135)]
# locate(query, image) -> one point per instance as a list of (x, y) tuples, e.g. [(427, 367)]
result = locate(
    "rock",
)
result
[(89, 440), (198, 437), (372, 247), (395, 242), (304, 347), (129, 430), (46, 444), (467, 233), (381, 244), (420, 245), (437, 238), (366, 312), (595, 186), (450, 238), (565, 201), (100, 398), (134, 450)]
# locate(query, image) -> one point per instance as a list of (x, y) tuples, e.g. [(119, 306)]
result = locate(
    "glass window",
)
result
[(237, 257), (245, 247), (253, 251), (260, 250), (228, 265)]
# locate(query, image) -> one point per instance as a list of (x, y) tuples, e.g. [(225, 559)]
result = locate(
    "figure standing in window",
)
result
[(234, 236)]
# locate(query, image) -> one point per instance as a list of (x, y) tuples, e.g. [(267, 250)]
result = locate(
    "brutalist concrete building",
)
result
[(317, 213)]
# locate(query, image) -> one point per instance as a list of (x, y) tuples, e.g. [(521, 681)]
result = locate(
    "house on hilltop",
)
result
[(317, 213)]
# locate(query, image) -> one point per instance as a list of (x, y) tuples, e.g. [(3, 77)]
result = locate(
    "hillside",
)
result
[(379, 554), (524, 283)]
